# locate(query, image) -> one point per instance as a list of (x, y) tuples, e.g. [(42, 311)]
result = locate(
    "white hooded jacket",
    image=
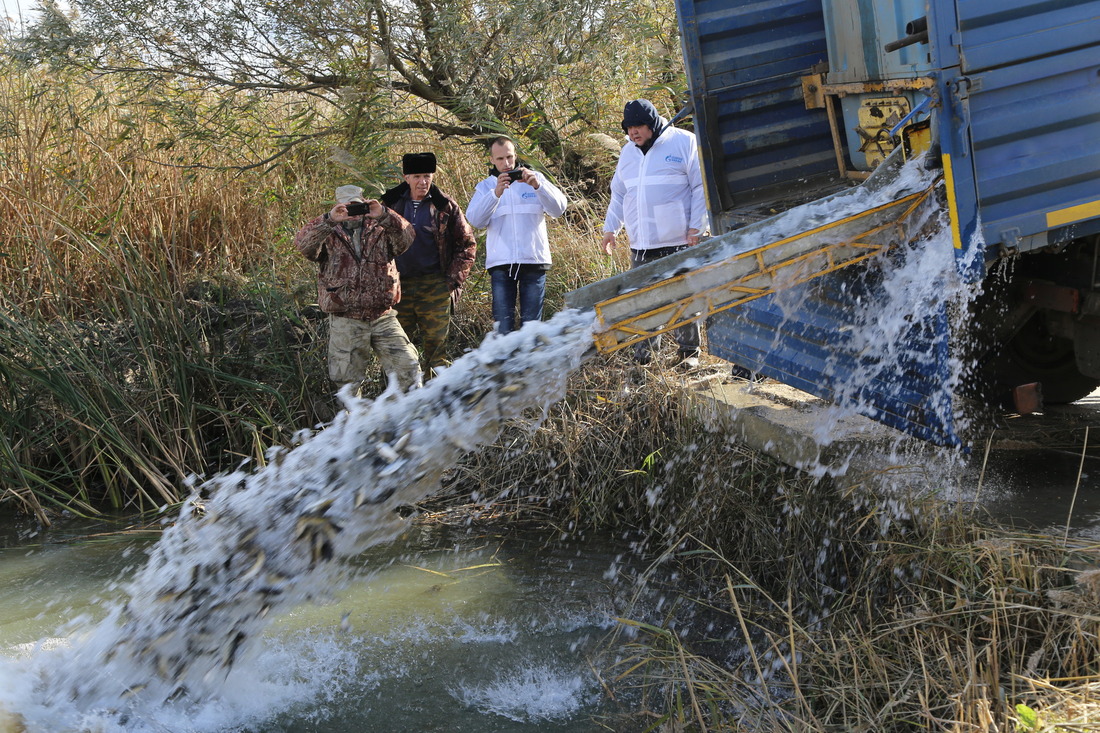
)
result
[(516, 221), (658, 195)]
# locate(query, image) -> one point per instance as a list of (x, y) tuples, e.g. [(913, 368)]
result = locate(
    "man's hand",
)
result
[(608, 242), (693, 237), (530, 178), (376, 210), (526, 176), (339, 213)]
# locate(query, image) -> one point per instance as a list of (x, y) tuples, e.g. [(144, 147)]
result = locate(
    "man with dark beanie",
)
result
[(436, 265), (657, 193)]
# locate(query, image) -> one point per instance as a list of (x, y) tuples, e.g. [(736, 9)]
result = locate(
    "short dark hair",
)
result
[(500, 140)]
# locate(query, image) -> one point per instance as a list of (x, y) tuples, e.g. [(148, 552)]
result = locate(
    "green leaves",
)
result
[(1028, 718)]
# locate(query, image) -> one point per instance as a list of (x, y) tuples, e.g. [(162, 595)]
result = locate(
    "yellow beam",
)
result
[(1062, 217)]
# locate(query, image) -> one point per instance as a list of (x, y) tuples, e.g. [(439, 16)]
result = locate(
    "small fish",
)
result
[(256, 567), (388, 454), (474, 398), (134, 689), (232, 648)]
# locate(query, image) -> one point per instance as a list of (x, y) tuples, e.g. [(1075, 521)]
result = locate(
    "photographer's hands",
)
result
[(339, 212), (504, 180)]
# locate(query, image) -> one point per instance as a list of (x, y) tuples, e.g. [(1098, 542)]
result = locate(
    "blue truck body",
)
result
[(793, 98)]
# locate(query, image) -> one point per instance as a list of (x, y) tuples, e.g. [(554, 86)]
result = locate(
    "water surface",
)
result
[(446, 629)]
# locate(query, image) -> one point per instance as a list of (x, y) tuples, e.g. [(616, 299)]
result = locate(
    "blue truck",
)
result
[(792, 100)]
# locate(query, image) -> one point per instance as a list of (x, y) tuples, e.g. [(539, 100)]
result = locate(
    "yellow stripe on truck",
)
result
[(1072, 214), (952, 204)]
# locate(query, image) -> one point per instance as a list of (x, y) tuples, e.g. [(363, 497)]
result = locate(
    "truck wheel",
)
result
[(1036, 355)]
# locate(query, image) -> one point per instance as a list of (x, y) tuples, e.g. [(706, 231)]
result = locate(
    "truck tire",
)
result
[(1036, 355)]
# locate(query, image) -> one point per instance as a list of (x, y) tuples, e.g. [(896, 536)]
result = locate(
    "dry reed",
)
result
[(802, 605)]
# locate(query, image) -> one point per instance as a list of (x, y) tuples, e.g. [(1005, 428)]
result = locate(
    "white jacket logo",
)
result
[(673, 159)]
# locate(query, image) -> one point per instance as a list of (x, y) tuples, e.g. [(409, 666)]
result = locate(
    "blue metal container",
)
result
[(1015, 112)]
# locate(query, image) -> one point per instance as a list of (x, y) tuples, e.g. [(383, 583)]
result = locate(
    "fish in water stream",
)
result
[(247, 546)]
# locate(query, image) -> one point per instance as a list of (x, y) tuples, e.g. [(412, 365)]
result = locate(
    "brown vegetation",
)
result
[(804, 605)]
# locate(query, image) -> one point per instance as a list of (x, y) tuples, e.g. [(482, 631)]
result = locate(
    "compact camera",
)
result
[(516, 174), (358, 208)]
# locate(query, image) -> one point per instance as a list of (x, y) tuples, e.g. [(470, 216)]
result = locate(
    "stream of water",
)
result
[(251, 547)]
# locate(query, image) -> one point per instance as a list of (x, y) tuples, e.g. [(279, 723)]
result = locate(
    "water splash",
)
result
[(251, 545), (531, 693), (257, 544)]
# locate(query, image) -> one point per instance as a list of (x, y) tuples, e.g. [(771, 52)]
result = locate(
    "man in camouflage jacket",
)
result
[(358, 286)]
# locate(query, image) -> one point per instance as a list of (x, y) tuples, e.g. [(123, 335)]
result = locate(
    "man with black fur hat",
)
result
[(437, 264), (657, 193)]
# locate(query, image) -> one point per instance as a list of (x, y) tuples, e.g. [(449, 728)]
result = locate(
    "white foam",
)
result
[(531, 693), (178, 648)]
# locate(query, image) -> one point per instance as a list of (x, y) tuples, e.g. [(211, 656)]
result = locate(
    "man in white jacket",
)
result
[(657, 193), (512, 203)]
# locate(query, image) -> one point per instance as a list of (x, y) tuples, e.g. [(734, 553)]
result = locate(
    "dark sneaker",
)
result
[(740, 372)]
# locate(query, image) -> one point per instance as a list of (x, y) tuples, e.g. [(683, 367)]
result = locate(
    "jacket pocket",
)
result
[(331, 299), (670, 221)]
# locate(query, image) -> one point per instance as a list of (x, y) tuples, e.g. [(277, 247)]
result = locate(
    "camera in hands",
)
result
[(358, 208), (515, 175)]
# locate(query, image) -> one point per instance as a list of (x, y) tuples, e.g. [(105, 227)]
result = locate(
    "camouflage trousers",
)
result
[(350, 343), (425, 312)]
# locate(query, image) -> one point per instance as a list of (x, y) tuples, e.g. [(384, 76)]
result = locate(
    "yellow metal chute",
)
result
[(709, 282)]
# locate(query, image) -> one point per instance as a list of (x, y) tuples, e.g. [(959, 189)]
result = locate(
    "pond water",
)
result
[(445, 629)]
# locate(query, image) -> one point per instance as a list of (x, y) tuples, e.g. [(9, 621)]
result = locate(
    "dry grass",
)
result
[(81, 175), (157, 320), (802, 605)]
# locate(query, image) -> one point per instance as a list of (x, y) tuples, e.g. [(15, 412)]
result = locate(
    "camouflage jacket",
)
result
[(454, 238), (361, 286)]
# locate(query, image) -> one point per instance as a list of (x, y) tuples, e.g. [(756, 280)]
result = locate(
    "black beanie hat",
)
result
[(641, 112), (417, 163)]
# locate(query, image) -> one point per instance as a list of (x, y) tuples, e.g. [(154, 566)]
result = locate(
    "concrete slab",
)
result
[(1039, 471), (796, 428)]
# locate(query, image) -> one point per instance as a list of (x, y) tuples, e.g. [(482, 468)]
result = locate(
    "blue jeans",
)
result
[(525, 283)]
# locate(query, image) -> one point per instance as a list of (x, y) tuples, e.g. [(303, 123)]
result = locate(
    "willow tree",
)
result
[(541, 69)]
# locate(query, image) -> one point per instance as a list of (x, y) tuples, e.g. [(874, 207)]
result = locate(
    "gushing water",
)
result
[(248, 546)]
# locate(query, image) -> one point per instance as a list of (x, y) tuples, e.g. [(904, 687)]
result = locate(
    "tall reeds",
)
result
[(157, 320), (149, 328)]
